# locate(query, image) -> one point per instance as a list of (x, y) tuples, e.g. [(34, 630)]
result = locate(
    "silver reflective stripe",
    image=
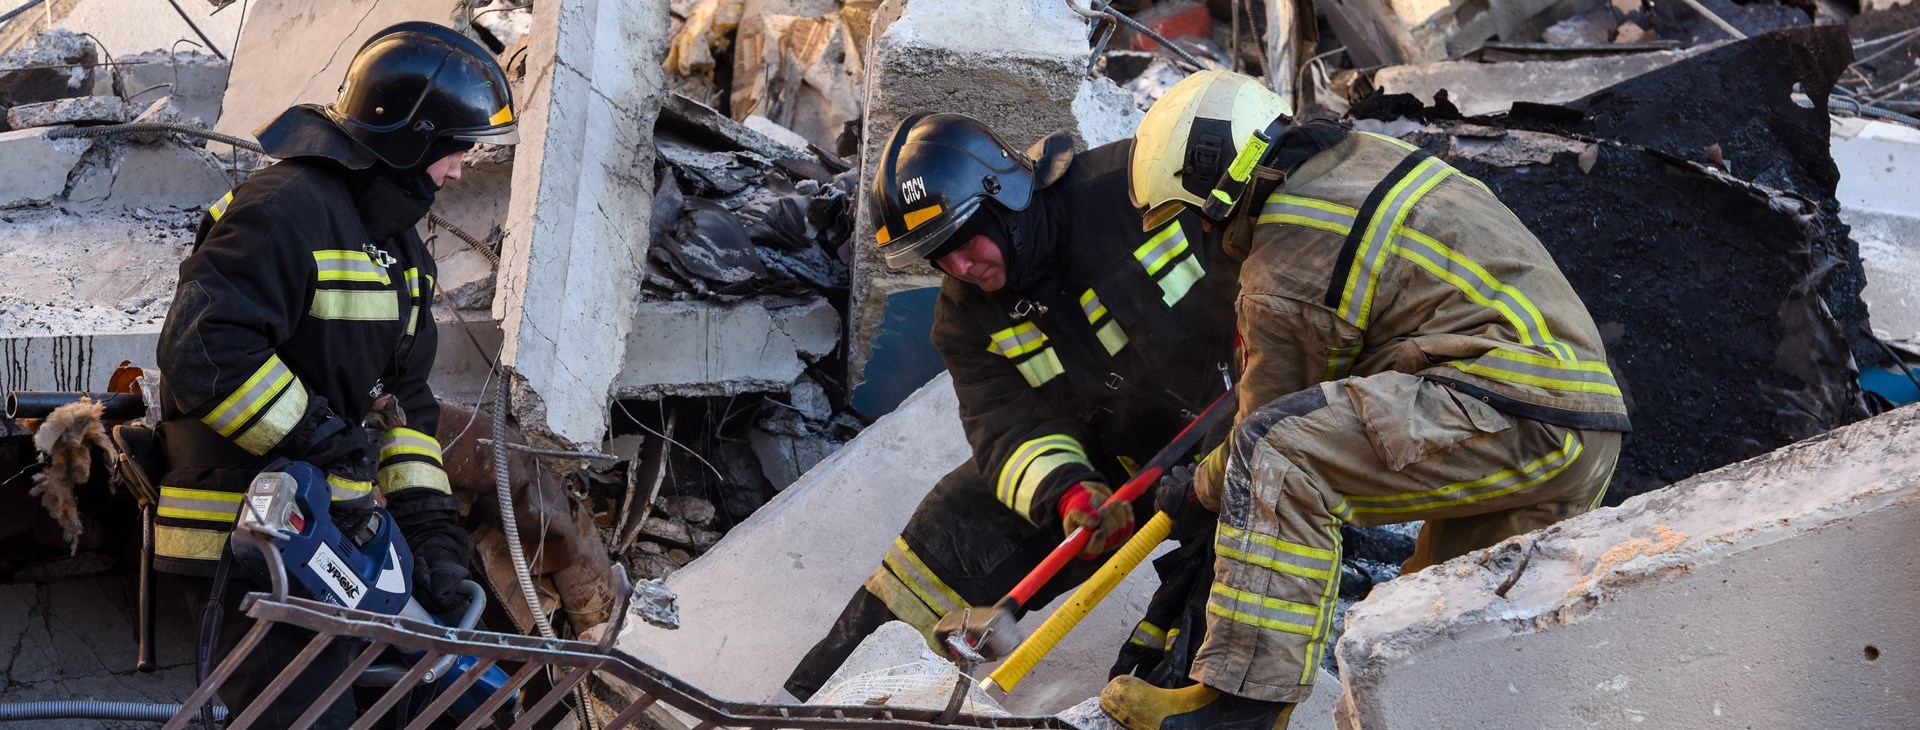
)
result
[(347, 266), (907, 569), (1480, 286), (1297, 214), (1497, 484), (1017, 340), (1574, 377), (1264, 612), (1380, 232), (198, 504), (1155, 256), (252, 395), (1090, 304), (1274, 554)]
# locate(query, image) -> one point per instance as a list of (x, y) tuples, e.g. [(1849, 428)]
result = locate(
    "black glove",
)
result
[(1175, 496), (430, 522)]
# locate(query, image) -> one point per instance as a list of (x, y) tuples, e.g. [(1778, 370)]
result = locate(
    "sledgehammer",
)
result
[(974, 635)]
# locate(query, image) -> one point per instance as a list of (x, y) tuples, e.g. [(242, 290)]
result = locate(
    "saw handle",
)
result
[(1090, 593)]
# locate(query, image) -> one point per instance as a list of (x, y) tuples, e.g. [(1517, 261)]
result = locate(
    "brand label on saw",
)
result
[(335, 573)]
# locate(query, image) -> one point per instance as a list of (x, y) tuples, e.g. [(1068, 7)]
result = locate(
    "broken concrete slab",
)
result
[(1710, 603), (1489, 88), (81, 110), (949, 56), (799, 70), (703, 349), (37, 166), (131, 28), (818, 541), (582, 185), (124, 175), (299, 51), (58, 64), (1385, 33), (196, 82), (1877, 164), (813, 325)]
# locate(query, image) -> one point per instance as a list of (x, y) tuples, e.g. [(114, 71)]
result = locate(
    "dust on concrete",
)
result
[(120, 269)]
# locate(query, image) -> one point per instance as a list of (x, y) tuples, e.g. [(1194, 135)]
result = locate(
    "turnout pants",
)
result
[(1385, 448), (961, 548)]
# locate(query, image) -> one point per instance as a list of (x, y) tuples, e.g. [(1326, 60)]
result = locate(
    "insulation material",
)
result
[(64, 440)]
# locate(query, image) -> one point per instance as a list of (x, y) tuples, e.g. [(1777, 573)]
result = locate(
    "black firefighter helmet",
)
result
[(933, 176), (416, 83)]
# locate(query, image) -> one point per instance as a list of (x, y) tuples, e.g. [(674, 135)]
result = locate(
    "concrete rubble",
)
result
[(1722, 600)]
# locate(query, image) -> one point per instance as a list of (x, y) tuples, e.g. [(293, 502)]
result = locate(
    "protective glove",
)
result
[(349, 456), (1085, 505), (430, 522), (1176, 497)]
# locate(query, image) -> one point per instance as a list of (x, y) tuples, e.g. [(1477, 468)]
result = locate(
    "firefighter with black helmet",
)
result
[(1078, 343), (308, 294)]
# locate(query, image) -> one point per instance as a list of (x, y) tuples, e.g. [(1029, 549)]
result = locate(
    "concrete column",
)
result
[(1018, 65), (578, 218), (1773, 593)]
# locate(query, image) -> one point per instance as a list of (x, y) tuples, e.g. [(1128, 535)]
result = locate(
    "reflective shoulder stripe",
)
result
[(1017, 340), (1497, 484), (345, 265), (1353, 300), (1308, 212), (1029, 467), (411, 474), (408, 442), (219, 207), (1025, 340), (1104, 326), (1171, 263), (368, 306)]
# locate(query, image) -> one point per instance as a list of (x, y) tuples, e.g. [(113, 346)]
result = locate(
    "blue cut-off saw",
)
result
[(372, 571)]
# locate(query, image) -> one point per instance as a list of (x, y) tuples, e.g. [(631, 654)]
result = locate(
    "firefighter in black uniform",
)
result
[(1079, 346), (307, 295)]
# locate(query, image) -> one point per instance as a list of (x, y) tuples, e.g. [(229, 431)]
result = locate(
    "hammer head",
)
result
[(979, 634)]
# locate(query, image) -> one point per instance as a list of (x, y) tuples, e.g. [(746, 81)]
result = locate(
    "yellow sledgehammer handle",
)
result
[(1055, 628)]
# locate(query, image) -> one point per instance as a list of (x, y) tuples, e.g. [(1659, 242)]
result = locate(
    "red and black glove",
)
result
[(1085, 505)]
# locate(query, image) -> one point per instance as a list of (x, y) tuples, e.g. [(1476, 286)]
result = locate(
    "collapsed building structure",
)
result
[(672, 270)]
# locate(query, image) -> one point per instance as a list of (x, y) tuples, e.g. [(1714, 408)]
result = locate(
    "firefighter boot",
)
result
[(1142, 706)]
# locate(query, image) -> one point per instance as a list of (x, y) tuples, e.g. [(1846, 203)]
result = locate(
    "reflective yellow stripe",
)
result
[(1175, 285), (1274, 554), (1162, 248), (1497, 484), (406, 441), (219, 207), (381, 306), (915, 218), (1090, 304), (1295, 210), (501, 117), (881, 236), (341, 265), (1402, 144), (347, 489), (1356, 300), (1111, 337), (1513, 367), (267, 432), (198, 504), (1472, 280), (921, 580), (410, 474), (413, 283), (1148, 635), (1317, 647), (902, 602), (1017, 340), (1029, 466), (188, 543), (1263, 612), (255, 393), (1041, 368)]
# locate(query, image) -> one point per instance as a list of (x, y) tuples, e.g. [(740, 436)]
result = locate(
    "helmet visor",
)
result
[(913, 246), (506, 134)]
